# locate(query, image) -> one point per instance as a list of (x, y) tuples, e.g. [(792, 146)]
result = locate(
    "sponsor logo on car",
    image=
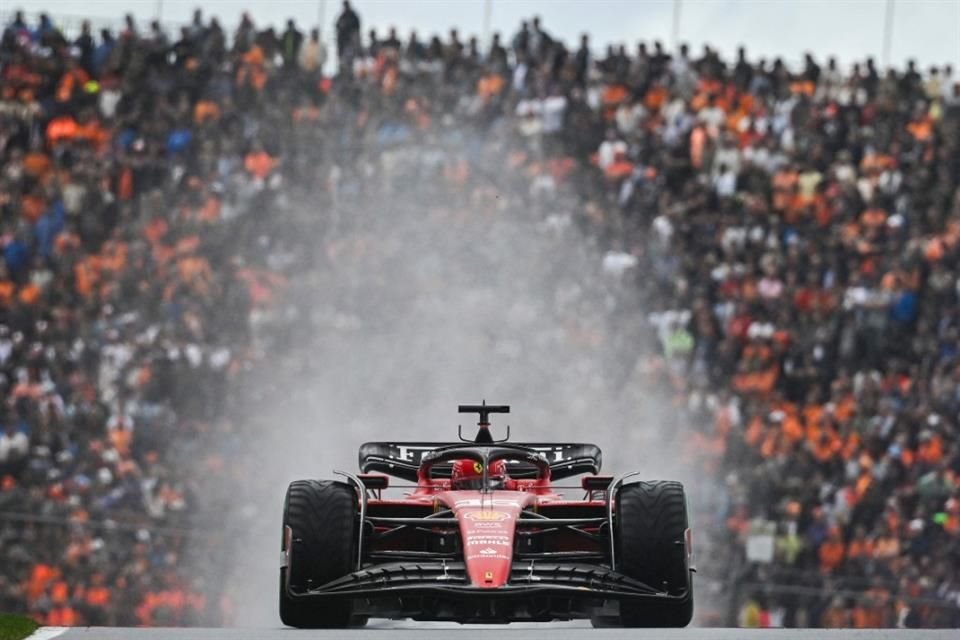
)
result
[(487, 539), (487, 516), (487, 556), (486, 502)]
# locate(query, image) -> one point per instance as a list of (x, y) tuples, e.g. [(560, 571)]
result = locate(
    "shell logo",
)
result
[(487, 516)]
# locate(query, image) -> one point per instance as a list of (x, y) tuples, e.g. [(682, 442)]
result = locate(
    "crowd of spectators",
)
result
[(792, 235)]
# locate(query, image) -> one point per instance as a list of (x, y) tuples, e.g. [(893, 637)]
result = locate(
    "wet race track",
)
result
[(426, 631)]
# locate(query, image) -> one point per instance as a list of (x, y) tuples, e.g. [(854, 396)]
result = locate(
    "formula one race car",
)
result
[(484, 535)]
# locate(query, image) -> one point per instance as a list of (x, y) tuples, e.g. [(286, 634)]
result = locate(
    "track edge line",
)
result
[(47, 633)]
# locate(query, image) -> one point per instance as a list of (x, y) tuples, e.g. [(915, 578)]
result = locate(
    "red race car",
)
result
[(484, 534)]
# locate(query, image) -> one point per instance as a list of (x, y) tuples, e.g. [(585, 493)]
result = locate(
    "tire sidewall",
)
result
[(651, 546), (322, 516)]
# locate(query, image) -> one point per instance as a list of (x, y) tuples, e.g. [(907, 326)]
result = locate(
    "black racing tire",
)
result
[(322, 516), (650, 529)]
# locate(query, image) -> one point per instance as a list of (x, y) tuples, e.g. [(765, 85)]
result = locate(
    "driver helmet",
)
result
[(468, 474)]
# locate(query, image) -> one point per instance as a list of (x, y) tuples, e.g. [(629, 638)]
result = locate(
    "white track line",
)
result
[(47, 633)]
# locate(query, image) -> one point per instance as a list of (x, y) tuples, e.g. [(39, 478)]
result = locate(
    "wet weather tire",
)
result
[(322, 516), (650, 529)]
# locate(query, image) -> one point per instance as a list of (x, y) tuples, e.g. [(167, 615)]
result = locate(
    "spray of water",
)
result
[(412, 295)]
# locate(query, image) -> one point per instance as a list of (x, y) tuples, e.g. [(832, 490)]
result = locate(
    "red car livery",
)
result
[(514, 546)]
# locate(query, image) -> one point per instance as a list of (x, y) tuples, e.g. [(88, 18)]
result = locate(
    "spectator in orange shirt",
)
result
[(258, 162), (832, 551)]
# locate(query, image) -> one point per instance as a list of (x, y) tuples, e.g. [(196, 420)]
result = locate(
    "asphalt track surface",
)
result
[(414, 631)]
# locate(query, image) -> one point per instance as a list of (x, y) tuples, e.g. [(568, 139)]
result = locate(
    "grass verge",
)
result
[(14, 627)]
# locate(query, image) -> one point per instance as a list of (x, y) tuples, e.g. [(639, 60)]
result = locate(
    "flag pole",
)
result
[(321, 17), (487, 11), (675, 35), (887, 33)]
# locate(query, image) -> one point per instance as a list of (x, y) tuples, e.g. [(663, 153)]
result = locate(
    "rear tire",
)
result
[(651, 547), (322, 516)]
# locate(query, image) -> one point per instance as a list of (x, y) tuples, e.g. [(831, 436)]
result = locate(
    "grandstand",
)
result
[(772, 250)]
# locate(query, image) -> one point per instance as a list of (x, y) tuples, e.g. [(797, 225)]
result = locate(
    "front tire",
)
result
[(651, 546), (322, 517)]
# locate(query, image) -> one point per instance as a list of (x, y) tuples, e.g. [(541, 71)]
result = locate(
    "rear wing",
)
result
[(402, 459)]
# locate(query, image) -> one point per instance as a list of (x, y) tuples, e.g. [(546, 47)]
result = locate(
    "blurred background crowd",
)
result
[(772, 248)]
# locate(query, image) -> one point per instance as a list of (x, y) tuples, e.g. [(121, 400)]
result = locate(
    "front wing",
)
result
[(441, 591)]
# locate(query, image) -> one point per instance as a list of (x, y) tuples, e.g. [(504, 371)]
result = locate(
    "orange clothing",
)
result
[(205, 110), (754, 433), (97, 597), (69, 82), (805, 87), (887, 547), (195, 272), (867, 617), (62, 617), (826, 448), (29, 294), (7, 290), (618, 169), (31, 207), (113, 257), (59, 592), (489, 85), (756, 381), (124, 189), (834, 618), (784, 183), (655, 98), (41, 576), (874, 218), (210, 211), (933, 249), (831, 554), (931, 451), (259, 164), (613, 94), (860, 549), (261, 285), (921, 129), (845, 408), (61, 128), (93, 133), (155, 230), (37, 165), (121, 439), (86, 275), (64, 242), (698, 143), (610, 98), (251, 71), (792, 429), (850, 446)]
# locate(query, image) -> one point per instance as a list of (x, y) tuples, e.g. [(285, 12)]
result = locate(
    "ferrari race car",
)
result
[(482, 532)]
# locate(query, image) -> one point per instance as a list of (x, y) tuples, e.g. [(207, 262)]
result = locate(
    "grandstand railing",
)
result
[(105, 524)]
